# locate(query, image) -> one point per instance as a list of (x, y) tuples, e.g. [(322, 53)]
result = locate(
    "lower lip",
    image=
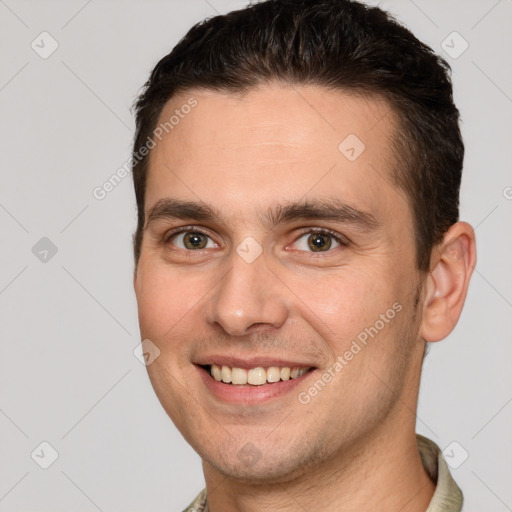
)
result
[(248, 394)]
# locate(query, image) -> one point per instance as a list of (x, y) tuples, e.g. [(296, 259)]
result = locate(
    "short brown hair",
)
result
[(342, 45)]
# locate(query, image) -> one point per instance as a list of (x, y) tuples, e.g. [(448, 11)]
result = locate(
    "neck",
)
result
[(381, 473)]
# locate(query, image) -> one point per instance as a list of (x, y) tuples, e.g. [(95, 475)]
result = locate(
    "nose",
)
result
[(249, 297)]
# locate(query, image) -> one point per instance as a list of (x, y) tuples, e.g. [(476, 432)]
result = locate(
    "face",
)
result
[(277, 250)]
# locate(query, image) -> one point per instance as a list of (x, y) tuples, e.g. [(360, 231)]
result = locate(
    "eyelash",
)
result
[(344, 242)]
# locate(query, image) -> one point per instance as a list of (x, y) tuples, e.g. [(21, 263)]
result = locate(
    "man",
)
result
[(297, 168)]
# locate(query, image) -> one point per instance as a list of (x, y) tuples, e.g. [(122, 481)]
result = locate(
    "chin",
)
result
[(251, 466)]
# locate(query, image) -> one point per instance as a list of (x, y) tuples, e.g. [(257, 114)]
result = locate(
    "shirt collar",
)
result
[(447, 496)]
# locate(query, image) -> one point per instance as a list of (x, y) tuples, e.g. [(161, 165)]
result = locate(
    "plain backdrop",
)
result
[(68, 374)]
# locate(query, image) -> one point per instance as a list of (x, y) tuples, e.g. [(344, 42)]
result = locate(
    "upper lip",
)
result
[(250, 362)]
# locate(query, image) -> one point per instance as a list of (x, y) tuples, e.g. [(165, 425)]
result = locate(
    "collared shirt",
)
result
[(447, 496)]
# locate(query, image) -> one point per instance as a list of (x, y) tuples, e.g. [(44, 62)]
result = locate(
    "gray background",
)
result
[(68, 374)]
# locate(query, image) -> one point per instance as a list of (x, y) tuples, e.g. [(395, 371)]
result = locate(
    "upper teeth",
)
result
[(255, 376)]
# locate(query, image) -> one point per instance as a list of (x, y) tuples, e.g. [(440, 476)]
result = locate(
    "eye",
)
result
[(188, 239), (319, 240)]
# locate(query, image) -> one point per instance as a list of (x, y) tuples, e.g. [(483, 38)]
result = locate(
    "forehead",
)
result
[(276, 143)]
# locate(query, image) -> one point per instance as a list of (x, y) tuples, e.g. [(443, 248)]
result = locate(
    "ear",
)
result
[(452, 264)]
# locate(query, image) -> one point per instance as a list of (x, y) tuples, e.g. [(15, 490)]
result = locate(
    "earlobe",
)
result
[(447, 283)]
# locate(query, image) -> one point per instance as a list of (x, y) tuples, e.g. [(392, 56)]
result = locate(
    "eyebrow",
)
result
[(315, 209)]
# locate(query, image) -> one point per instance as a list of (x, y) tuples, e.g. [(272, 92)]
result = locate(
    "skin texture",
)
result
[(352, 446)]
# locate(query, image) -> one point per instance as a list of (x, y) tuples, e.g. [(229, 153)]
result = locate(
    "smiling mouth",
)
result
[(254, 376)]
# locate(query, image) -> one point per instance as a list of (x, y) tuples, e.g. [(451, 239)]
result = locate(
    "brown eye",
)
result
[(319, 241), (190, 240), (194, 240)]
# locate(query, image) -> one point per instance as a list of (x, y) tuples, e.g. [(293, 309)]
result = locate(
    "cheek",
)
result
[(344, 303), (165, 298)]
